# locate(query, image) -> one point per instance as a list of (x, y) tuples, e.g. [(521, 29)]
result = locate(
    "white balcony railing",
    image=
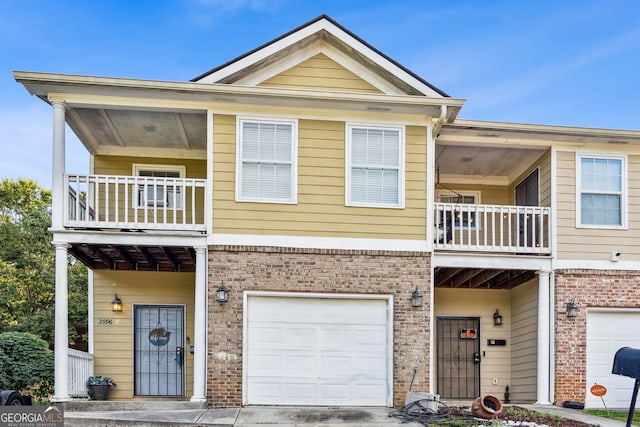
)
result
[(492, 228), (80, 369), (134, 202)]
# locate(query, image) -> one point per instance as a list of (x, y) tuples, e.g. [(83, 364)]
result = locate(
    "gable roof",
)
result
[(324, 35)]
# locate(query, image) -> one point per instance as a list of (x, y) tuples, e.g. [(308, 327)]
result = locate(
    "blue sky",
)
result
[(573, 63)]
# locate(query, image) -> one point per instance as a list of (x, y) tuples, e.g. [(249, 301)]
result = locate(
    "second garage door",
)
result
[(608, 331), (317, 351)]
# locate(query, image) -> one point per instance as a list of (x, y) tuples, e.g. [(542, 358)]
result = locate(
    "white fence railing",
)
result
[(134, 202), (493, 228), (80, 369)]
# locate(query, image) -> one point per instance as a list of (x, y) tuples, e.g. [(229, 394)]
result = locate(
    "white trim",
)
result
[(554, 203), (612, 310), (604, 264), (319, 242), (430, 176), (349, 127), (137, 168), (245, 328), (166, 238), (470, 260), (579, 155), (294, 158), (90, 310), (307, 31), (208, 202)]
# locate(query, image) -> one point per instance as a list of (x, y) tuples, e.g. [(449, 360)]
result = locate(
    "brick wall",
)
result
[(314, 270), (589, 288)]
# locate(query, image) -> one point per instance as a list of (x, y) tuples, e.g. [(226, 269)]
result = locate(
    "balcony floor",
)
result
[(133, 257)]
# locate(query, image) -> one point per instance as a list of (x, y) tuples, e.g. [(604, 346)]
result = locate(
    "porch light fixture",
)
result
[(222, 294), (416, 298), (572, 309), (497, 318), (116, 304)]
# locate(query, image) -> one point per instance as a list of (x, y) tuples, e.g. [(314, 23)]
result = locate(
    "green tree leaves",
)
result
[(27, 265)]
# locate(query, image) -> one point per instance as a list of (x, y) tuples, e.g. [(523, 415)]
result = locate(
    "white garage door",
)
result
[(317, 351), (607, 332)]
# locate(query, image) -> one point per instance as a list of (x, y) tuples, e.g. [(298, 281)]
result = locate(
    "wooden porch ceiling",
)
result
[(140, 258), (480, 278)]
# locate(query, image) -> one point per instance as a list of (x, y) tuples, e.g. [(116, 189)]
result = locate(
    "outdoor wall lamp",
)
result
[(416, 298), (497, 318), (116, 305), (572, 309), (222, 294)]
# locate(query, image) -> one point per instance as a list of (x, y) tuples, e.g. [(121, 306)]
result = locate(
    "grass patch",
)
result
[(615, 415)]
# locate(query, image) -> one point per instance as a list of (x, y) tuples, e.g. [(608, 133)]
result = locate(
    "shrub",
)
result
[(26, 364)]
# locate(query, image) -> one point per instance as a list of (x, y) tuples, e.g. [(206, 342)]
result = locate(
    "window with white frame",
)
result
[(601, 195), (462, 217), (375, 161), (266, 161), (157, 186)]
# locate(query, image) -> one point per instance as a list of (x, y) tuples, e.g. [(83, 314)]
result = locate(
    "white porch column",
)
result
[(61, 357), (200, 328), (57, 191), (544, 332)]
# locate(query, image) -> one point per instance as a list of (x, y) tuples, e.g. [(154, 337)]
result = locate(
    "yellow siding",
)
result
[(595, 243), (489, 194), (524, 330), (320, 72), (482, 303), (321, 209), (113, 352)]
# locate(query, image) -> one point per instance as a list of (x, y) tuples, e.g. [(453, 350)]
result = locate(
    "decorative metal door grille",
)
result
[(158, 350), (458, 357)]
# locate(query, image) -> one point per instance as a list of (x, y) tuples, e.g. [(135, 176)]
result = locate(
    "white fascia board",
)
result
[(309, 52), (138, 239), (308, 31), (580, 264), (513, 262), (318, 242)]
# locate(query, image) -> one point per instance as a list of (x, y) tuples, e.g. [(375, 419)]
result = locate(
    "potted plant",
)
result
[(98, 387)]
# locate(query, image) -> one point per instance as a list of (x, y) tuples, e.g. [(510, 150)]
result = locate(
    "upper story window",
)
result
[(601, 191), (266, 161), (159, 192), (375, 166)]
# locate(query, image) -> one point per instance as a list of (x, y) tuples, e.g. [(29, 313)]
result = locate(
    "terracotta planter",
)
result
[(98, 391), (486, 406)]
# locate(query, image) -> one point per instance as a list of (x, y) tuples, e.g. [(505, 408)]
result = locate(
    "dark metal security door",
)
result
[(158, 350), (458, 357)]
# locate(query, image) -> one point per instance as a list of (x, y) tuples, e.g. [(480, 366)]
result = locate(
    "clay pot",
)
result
[(486, 406)]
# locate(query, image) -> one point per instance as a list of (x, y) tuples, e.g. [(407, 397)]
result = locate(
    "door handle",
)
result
[(476, 357), (179, 355)]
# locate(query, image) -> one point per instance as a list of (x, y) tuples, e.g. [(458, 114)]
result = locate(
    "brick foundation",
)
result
[(312, 270), (589, 288)]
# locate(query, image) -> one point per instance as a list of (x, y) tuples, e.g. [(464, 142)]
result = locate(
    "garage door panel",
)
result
[(315, 351), (607, 332)]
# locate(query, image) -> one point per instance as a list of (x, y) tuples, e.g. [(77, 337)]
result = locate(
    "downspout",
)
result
[(441, 120)]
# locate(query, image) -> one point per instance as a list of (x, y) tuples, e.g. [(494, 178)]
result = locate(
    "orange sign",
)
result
[(598, 390)]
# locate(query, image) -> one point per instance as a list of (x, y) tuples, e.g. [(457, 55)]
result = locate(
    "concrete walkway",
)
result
[(281, 416)]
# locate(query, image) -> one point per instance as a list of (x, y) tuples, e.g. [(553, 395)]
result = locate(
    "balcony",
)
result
[(134, 203), (522, 230)]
